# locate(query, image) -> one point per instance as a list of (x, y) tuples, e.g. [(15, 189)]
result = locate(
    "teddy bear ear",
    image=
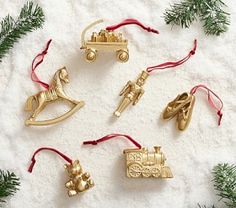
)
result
[(76, 162), (66, 166)]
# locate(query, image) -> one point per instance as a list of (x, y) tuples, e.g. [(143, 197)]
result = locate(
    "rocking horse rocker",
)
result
[(53, 93)]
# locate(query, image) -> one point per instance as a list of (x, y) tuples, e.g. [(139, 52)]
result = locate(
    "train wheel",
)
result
[(91, 55), (135, 170), (156, 172), (146, 172), (122, 55)]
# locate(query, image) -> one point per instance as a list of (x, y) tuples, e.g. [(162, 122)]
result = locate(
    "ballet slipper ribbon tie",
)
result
[(211, 101)]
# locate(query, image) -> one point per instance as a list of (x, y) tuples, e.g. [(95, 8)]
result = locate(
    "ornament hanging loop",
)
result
[(36, 62), (33, 160), (171, 64), (131, 22), (111, 136), (210, 99)]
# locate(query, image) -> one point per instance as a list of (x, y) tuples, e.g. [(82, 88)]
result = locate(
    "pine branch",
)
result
[(9, 184), (31, 17), (225, 183), (215, 19), (204, 206), (182, 14)]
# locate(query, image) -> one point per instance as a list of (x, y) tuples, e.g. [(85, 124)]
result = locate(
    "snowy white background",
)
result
[(191, 154)]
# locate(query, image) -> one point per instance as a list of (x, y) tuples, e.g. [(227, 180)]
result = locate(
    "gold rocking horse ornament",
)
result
[(55, 92)]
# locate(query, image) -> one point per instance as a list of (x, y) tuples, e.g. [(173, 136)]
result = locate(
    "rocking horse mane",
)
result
[(57, 81)]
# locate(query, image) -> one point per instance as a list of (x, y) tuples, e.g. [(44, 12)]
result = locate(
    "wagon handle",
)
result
[(85, 30)]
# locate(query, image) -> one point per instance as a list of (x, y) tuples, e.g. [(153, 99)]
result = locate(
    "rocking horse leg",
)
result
[(41, 106)]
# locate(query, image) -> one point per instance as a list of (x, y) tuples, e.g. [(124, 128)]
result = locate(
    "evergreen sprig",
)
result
[(31, 18), (9, 184), (224, 178), (215, 19), (204, 206)]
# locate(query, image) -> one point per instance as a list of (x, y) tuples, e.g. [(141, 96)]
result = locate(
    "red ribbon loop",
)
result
[(33, 160), (170, 64), (110, 136), (210, 100), (36, 62), (130, 22)]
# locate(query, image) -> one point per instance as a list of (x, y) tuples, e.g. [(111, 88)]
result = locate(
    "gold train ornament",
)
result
[(105, 40), (79, 181), (54, 93), (132, 92), (182, 107), (140, 163)]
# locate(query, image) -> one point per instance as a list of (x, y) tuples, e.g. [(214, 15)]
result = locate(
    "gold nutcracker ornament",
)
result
[(141, 163), (133, 90), (54, 92), (182, 106), (108, 40), (78, 181)]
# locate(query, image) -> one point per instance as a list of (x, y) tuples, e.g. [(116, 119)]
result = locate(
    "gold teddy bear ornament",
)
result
[(79, 181)]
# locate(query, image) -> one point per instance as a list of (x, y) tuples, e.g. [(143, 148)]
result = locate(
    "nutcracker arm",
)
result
[(140, 94), (125, 88)]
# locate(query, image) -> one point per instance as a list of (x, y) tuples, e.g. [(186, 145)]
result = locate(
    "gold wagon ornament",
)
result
[(141, 163), (78, 181), (53, 93), (182, 107), (108, 40), (133, 90)]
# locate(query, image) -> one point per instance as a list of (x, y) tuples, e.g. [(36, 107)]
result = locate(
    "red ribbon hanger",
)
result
[(33, 160), (36, 62), (171, 64), (132, 22), (210, 93), (111, 136)]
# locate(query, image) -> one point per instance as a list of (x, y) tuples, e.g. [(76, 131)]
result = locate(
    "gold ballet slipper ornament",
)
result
[(132, 93), (182, 107), (78, 182), (141, 163), (45, 97)]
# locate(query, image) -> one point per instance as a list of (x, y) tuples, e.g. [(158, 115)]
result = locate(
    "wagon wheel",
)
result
[(122, 55), (91, 55), (146, 172), (135, 170), (156, 172)]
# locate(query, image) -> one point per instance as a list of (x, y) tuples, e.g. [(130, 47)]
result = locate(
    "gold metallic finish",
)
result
[(79, 181), (132, 92), (104, 41), (54, 93), (140, 163), (182, 106)]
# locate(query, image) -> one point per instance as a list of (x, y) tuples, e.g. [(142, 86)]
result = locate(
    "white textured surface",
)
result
[(191, 154)]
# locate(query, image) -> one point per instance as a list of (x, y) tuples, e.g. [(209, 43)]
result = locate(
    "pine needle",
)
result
[(225, 183), (9, 184), (215, 19), (31, 18)]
